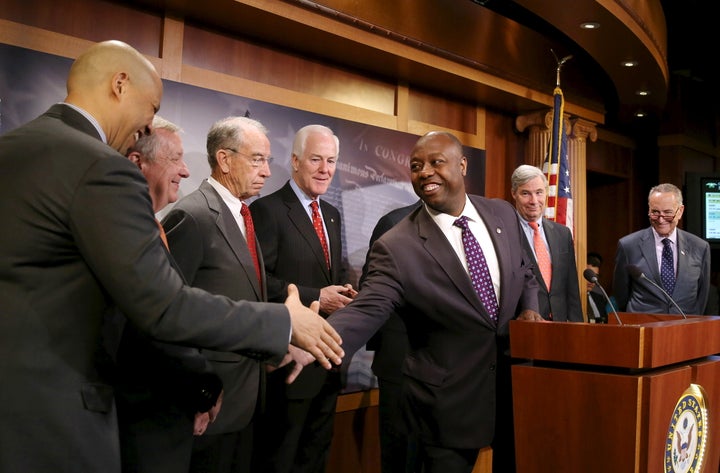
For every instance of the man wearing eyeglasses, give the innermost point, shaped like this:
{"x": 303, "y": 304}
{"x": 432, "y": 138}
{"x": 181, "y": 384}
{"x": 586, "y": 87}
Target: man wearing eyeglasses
{"x": 674, "y": 259}
{"x": 211, "y": 236}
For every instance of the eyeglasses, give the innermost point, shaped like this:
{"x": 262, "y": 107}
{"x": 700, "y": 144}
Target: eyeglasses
{"x": 255, "y": 161}
{"x": 668, "y": 215}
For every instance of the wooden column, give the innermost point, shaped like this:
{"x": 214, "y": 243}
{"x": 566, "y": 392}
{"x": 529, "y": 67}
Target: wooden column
{"x": 580, "y": 131}
{"x": 539, "y": 133}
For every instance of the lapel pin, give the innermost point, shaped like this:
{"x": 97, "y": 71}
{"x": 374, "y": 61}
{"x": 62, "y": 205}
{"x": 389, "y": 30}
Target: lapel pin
{"x": 498, "y": 230}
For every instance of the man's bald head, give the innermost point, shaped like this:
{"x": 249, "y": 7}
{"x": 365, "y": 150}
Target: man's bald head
{"x": 119, "y": 87}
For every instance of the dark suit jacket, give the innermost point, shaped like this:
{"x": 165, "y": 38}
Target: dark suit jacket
{"x": 293, "y": 254}
{"x": 390, "y": 342}
{"x": 212, "y": 253}
{"x": 450, "y": 372}
{"x": 693, "y": 274}
{"x": 563, "y": 300}
{"x": 159, "y": 388}
{"x": 79, "y": 235}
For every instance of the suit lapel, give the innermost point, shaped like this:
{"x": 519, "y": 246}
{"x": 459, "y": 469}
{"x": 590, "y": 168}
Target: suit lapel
{"x": 300, "y": 219}
{"x": 647, "y": 248}
{"x": 228, "y": 228}
{"x": 332, "y": 225}
{"x": 497, "y": 230}
{"x": 684, "y": 254}
{"x": 553, "y": 240}
{"x": 438, "y": 248}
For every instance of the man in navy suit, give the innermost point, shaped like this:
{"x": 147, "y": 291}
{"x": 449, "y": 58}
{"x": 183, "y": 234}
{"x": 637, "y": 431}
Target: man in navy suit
{"x": 296, "y": 430}
{"x": 559, "y": 298}
{"x": 688, "y": 261}
{"x": 456, "y": 386}
{"x": 80, "y": 236}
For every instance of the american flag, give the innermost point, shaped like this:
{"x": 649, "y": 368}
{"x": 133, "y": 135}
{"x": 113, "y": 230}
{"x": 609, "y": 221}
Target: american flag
{"x": 559, "y": 206}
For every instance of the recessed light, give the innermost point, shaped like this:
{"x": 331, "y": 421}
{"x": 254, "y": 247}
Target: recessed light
{"x": 590, "y": 25}
{"x": 640, "y": 114}
{"x": 629, "y": 63}
{"x": 642, "y": 93}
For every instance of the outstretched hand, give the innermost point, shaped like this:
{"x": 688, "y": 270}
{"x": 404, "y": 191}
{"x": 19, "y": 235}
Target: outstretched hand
{"x": 300, "y": 359}
{"x": 311, "y": 332}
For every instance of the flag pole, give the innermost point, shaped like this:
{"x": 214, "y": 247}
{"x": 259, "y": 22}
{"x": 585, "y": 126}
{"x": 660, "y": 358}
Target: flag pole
{"x": 560, "y": 64}
{"x": 556, "y": 148}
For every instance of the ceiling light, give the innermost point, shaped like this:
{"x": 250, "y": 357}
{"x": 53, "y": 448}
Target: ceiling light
{"x": 629, "y": 63}
{"x": 590, "y": 25}
{"x": 640, "y": 114}
{"x": 642, "y": 93}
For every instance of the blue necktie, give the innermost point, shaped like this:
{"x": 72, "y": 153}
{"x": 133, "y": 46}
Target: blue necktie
{"x": 667, "y": 268}
{"x": 479, "y": 271}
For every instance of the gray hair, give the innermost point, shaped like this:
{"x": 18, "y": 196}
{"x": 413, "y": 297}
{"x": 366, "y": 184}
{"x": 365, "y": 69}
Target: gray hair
{"x": 229, "y": 133}
{"x": 667, "y": 188}
{"x": 525, "y": 173}
{"x": 298, "y": 148}
{"x": 148, "y": 145}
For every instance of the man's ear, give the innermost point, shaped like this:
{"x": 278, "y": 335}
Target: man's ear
{"x": 222, "y": 157}
{"x": 120, "y": 83}
{"x": 135, "y": 158}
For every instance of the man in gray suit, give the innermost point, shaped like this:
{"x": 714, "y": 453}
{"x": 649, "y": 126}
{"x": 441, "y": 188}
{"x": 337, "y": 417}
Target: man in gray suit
{"x": 456, "y": 390}
{"x": 163, "y": 391}
{"x": 559, "y": 298}
{"x": 210, "y": 239}
{"x": 79, "y": 235}
{"x": 687, "y": 278}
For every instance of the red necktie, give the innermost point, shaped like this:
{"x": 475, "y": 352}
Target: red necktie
{"x": 317, "y": 223}
{"x": 542, "y": 255}
{"x": 250, "y": 237}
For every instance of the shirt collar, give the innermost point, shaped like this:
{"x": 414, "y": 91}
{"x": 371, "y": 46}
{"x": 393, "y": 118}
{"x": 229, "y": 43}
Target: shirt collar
{"x": 89, "y": 118}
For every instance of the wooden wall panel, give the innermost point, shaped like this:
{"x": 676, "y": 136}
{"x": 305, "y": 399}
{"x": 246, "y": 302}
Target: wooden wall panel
{"x": 443, "y": 111}
{"x": 207, "y": 49}
{"x": 504, "y": 151}
{"x": 92, "y": 20}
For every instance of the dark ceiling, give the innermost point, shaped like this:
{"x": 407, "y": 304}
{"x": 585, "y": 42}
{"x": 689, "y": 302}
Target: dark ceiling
{"x": 513, "y": 40}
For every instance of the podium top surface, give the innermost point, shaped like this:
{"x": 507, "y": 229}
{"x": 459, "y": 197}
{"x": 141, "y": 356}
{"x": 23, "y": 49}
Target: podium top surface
{"x": 644, "y": 341}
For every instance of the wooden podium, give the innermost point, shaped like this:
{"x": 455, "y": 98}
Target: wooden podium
{"x": 600, "y": 398}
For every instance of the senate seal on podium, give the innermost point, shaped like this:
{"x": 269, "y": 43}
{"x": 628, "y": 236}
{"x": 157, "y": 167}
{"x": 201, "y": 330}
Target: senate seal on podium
{"x": 687, "y": 435}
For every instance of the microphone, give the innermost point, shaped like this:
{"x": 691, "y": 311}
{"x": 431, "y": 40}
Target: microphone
{"x": 637, "y": 274}
{"x": 590, "y": 276}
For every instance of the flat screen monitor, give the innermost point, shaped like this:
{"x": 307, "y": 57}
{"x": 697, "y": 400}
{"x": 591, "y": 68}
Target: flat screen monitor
{"x": 702, "y": 206}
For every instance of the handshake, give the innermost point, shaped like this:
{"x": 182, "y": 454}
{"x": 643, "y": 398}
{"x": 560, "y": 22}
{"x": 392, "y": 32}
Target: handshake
{"x": 312, "y": 337}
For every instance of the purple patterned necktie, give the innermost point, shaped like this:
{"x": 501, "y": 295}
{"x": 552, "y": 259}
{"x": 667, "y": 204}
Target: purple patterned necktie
{"x": 667, "y": 268}
{"x": 479, "y": 272}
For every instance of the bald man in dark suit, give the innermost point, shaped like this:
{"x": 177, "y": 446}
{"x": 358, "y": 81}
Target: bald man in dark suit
{"x": 79, "y": 236}
{"x": 457, "y": 392}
